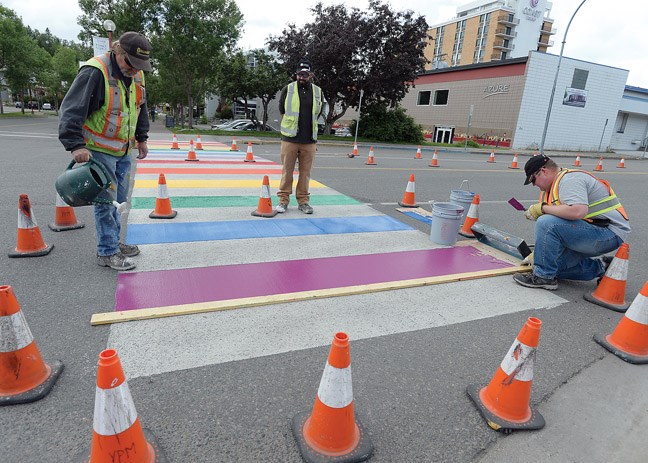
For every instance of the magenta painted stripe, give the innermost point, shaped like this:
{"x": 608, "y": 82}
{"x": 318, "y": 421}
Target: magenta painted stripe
{"x": 187, "y": 286}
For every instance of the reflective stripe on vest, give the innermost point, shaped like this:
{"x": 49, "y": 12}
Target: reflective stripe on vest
{"x": 111, "y": 128}
{"x": 290, "y": 121}
{"x": 607, "y": 204}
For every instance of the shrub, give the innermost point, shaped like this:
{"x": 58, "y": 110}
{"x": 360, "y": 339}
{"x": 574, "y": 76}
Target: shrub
{"x": 389, "y": 125}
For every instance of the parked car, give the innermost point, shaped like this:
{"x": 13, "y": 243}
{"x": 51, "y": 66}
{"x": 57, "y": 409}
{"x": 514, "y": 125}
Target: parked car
{"x": 47, "y": 106}
{"x": 342, "y": 132}
{"x": 228, "y": 124}
{"x": 18, "y": 104}
{"x": 240, "y": 125}
{"x": 32, "y": 105}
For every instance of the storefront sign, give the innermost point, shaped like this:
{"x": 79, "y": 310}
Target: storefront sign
{"x": 497, "y": 89}
{"x": 575, "y": 97}
{"x": 530, "y": 11}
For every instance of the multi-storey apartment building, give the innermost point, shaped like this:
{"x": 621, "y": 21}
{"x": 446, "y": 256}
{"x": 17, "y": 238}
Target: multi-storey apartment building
{"x": 489, "y": 30}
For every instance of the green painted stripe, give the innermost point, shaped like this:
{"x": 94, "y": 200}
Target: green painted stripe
{"x": 234, "y": 201}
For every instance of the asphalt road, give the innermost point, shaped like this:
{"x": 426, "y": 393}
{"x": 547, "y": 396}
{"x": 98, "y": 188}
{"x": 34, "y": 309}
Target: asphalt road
{"x": 409, "y": 387}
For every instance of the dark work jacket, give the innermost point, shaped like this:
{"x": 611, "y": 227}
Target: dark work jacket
{"x": 86, "y": 95}
{"x": 305, "y": 124}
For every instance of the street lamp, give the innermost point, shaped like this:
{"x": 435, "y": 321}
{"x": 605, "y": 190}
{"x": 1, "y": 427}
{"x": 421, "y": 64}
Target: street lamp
{"x": 110, "y": 27}
{"x": 553, "y": 89}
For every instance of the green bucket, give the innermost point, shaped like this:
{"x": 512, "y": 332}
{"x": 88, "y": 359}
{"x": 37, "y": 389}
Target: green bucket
{"x": 80, "y": 186}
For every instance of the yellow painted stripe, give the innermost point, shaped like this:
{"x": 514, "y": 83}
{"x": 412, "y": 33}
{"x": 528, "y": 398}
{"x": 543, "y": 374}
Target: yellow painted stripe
{"x": 216, "y": 184}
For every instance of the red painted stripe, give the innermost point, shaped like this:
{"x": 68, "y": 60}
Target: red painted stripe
{"x": 473, "y": 74}
{"x": 180, "y": 161}
{"x": 172, "y": 170}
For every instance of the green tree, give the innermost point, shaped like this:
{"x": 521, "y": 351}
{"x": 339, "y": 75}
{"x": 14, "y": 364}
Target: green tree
{"x": 139, "y": 16}
{"x": 190, "y": 40}
{"x": 378, "y": 50}
{"x": 64, "y": 70}
{"x": 234, "y": 80}
{"x": 388, "y": 124}
{"x": 268, "y": 77}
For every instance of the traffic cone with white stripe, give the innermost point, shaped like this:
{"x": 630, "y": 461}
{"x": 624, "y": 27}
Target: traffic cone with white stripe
{"x": 577, "y": 162}
{"x": 355, "y": 151}
{"x": 24, "y": 377}
{"x": 117, "y": 434}
{"x": 514, "y": 162}
{"x": 249, "y": 155}
{"x": 504, "y": 403}
{"x": 64, "y": 217}
{"x": 370, "y": 159}
{"x": 264, "y": 208}
{"x": 234, "y": 147}
{"x": 199, "y": 145}
{"x": 435, "y": 160}
{"x": 418, "y": 153}
{"x": 610, "y": 293}
{"x": 174, "y": 144}
{"x": 162, "y": 202}
{"x": 191, "y": 154}
{"x": 409, "y": 197}
{"x": 331, "y": 432}
{"x": 491, "y": 158}
{"x": 29, "y": 242}
{"x": 599, "y": 166}
{"x": 621, "y": 164}
{"x": 471, "y": 219}
{"x": 629, "y": 340}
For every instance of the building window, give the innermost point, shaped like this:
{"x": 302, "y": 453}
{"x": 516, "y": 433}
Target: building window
{"x": 482, "y": 33}
{"x": 424, "y": 98}
{"x": 579, "y": 79}
{"x": 622, "y": 123}
{"x": 458, "y": 43}
{"x": 441, "y": 97}
{"x": 504, "y": 55}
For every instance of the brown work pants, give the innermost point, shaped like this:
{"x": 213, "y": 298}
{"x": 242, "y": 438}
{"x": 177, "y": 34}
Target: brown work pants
{"x": 290, "y": 153}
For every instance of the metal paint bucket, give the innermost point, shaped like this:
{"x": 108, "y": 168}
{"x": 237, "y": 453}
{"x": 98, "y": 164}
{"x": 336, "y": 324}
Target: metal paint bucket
{"x": 446, "y": 221}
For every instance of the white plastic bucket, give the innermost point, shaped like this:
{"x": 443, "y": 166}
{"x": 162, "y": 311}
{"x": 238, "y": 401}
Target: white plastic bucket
{"x": 446, "y": 221}
{"x": 462, "y": 198}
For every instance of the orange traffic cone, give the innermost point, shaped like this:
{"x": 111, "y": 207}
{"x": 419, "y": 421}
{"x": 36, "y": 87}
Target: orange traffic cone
{"x": 355, "y": 150}
{"x": 435, "y": 160}
{"x": 198, "y": 142}
{"x": 24, "y": 377}
{"x": 191, "y": 154}
{"x": 249, "y": 156}
{"x": 30, "y": 241}
{"x": 64, "y": 217}
{"x": 264, "y": 208}
{"x": 471, "y": 219}
{"x": 234, "y": 147}
{"x": 370, "y": 159}
{"x": 174, "y": 145}
{"x": 621, "y": 164}
{"x": 117, "y": 433}
{"x": 577, "y": 162}
{"x": 629, "y": 340}
{"x": 491, "y": 158}
{"x": 162, "y": 202}
{"x": 331, "y": 432}
{"x": 504, "y": 403}
{"x": 599, "y": 166}
{"x": 418, "y": 153}
{"x": 409, "y": 197}
{"x": 514, "y": 162}
{"x": 610, "y": 293}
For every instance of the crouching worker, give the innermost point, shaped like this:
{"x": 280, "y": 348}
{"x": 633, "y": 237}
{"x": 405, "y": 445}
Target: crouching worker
{"x": 577, "y": 219}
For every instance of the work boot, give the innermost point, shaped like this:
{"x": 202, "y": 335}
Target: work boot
{"x": 129, "y": 250}
{"x": 531, "y": 280}
{"x": 305, "y": 208}
{"x": 281, "y": 207}
{"x": 117, "y": 261}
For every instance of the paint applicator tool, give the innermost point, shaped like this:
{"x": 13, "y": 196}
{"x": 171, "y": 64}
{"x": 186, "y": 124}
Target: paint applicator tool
{"x": 517, "y": 204}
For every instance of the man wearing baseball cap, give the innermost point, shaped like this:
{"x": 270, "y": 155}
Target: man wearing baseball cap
{"x": 577, "y": 219}
{"x": 104, "y": 116}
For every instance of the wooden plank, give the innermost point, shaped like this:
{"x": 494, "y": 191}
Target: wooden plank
{"x": 203, "y": 307}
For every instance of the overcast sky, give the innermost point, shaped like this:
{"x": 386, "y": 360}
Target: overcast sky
{"x": 602, "y": 32}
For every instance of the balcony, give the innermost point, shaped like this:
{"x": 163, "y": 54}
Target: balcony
{"x": 505, "y": 20}
{"x": 549, "y": 43}
{"x": 548, "y": 32}
{"x": 501, "y": 46}
{"x": 503, "y": 34}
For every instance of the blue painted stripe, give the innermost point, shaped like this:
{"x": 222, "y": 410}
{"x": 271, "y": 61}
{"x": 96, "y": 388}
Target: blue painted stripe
{"x": 241, "y": 229}
{"x": 418, "y": 217}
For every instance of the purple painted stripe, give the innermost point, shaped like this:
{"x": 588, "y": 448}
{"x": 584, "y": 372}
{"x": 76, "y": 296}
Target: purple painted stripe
{"x": 193, "y": 285}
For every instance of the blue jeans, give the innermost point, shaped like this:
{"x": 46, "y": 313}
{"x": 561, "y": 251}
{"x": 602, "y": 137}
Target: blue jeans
{"x": 107, "y": 219}
{"x": 564, "y": 248}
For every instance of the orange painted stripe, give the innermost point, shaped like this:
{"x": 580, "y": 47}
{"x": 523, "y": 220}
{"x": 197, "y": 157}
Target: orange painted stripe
{"x": 173, "y": 170}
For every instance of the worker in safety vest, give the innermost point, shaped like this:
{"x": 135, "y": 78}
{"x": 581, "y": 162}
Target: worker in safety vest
{"x": 103, "y": 115}
{"x": 301, "y": 104}
{"x": 577, "y": 218}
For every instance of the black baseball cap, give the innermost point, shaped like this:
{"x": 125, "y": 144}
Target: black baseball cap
{"x": 138, "y": 48}
{"x": 533, "y": 165}
{"x": 303, "y": 66}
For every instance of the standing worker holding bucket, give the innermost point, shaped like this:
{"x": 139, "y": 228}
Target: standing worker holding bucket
{"x": 102, "y": 116}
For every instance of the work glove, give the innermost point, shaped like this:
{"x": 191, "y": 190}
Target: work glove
{"x": 528, "y": 260}
{"x": 534, "y": 211}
